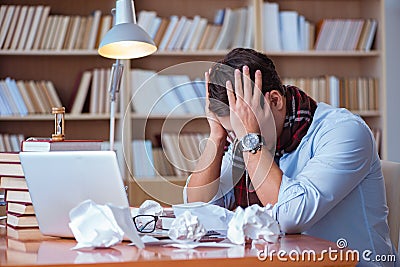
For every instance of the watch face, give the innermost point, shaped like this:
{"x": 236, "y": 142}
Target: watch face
{"x": 251, "y": 141}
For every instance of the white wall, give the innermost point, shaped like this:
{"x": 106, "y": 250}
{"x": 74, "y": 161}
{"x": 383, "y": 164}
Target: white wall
{"x": 392, "y": 10}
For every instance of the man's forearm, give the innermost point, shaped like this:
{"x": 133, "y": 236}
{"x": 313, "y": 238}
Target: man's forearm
{"x": 204, "y": 181}
{"x": 265, "y": 175}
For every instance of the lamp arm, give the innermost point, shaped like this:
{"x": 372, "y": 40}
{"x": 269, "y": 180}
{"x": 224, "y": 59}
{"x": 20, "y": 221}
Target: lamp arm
{"x": 114, "y": 85}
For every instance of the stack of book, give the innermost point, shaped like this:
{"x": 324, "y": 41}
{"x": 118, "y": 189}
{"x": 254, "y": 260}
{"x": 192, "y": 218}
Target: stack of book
{"x": 21, "y": 219}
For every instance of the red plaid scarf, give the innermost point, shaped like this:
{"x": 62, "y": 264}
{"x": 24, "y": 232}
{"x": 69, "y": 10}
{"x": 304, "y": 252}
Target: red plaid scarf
{"x": 300, "y": 110}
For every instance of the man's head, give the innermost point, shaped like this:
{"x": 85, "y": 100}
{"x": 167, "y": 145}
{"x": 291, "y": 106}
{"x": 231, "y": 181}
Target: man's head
{"x": 223, "y": 70}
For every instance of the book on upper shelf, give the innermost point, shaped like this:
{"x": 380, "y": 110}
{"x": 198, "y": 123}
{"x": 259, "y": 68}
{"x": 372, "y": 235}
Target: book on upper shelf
{"x": 11, "y": 28}
{"x": 6, "y": 16}
{"x": 143, "y": 161}
{"x": 18, "y": 220}
{"x": 81, "y": 92}
{"x": 66, "y": 145}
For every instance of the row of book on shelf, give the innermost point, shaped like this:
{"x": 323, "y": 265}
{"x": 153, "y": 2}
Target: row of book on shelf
{"x": 230, "y": 28}
{"x": 25, "y": 27}
{"x": 346, "y": 34}
{"x": 356, "y": 94}
{"x": 176, "y": 155}
{"x": 151, "y": 93}
{"x": 161, "y": 94}
{"x": 288, "y": 30}
{"x": 27, "y": 97}
{"x": 10, "y": 142}
{"x": 284, "y": 30}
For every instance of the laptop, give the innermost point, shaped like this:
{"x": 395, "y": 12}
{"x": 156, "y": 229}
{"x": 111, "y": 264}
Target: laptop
{"x": 58, "y": 181}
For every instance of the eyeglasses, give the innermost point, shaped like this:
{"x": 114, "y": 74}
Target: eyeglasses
{"x": 145, "y": 223}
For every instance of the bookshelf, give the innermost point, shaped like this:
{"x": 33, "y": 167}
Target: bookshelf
{"x": 63, "y": 66}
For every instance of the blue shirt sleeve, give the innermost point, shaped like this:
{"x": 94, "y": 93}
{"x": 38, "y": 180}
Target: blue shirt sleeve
{"x": 341, "y": 159}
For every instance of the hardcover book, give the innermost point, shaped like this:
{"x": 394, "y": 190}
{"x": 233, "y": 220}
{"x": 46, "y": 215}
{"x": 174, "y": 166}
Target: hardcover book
{"x": 18, "y": 220}
{"x": 19, "y": 195}
{"x": 20, "y": 208}
{"x": 9, "y": 182}
{"x": 67, "y": 145}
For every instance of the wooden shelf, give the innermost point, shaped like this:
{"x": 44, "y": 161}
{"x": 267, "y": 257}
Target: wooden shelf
{"x": 48, "y": 52}
{"x": 49, "y": 117}
{"x": 205, "y": 53}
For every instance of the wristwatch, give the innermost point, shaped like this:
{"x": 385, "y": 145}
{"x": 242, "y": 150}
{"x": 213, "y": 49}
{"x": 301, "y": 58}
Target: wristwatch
{"x": 252, "y": 142}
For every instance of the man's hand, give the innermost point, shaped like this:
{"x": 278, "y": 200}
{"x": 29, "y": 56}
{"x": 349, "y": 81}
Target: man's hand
{"x": 246, "y": 113}
{"x": 216, "y": 129}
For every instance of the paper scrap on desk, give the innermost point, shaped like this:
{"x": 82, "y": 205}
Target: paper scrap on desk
{"x": 186, "y": 228}
{"x": 150, "y": 207}
{"x": 255, "y": 223}
{"x": 204, "y": 211}
{"x": 100, "y": 226}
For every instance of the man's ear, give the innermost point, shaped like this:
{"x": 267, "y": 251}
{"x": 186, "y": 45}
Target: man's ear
{"x": 277, "y": 100}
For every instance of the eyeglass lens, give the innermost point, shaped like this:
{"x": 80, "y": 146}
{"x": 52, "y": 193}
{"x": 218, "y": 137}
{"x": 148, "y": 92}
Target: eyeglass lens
{"x": 145, "y": 223}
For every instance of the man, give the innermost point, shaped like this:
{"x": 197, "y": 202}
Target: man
{"x": 316, "y": 165}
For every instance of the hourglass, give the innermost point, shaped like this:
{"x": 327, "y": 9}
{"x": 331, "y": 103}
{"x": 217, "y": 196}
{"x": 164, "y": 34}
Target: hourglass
{"x": 58, "y": 134}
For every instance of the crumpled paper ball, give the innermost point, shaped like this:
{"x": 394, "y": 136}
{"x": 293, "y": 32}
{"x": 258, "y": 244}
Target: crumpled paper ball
{"x": 186, "y": 228}
{"x": 99, "y": 226}
{"x": 150, "y": 207}
{"x": 254, "y": 223}
{"x": 94, "y": 226}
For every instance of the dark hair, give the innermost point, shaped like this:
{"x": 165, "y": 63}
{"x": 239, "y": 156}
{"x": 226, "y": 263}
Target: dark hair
{"x": 223, "y": 70}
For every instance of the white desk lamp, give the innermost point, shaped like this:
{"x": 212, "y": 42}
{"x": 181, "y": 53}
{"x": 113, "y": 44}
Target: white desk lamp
{"x": 125, "y": 40}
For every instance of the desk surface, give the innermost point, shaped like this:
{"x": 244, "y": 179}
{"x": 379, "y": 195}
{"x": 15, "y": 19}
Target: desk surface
{"x": 57, "y": 252}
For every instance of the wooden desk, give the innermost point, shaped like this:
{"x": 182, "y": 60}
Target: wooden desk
{"x": 57, "y": 252}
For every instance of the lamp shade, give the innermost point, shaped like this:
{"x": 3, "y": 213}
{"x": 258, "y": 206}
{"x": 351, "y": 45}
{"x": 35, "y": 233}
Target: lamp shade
{"x": 126, "y": 39}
